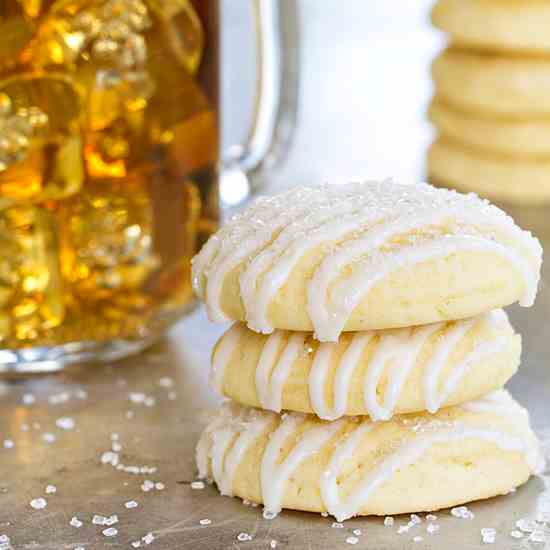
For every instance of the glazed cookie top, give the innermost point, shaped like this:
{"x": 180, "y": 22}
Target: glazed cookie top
{"x": 361, "y": 233}
{"x": 293, "y": 439}
{"x": 378, "y": 373}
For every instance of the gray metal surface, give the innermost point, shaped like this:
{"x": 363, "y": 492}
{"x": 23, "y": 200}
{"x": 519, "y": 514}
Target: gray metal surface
{"x": 161, "y": 432}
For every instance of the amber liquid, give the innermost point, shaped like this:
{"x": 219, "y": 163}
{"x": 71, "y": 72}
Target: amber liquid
{"x": 108, "y": 150}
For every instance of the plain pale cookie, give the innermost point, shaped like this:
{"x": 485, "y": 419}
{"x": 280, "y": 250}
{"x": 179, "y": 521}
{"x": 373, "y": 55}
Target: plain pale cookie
{"x": 484, "y": 83}
{"x": 517, "y": 137}
{"x": 352, "y": 466}
{"x": 377, "y": 373}
{"x": 497, "y": 177}
{"x": 365, "y": 256}
{"x": 495, "y": 25}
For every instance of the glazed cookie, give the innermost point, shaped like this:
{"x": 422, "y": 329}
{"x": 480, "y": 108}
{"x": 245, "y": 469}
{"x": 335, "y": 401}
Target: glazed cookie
{"x": 510, "y": 86}
{"x": 508, "y": 136}
{"x": 511, "y": 25}
{"x": 497, "y": 177}
{"x": 376, "y": 373}
{"x": 364, "y": 256}
{"x": 352, "y": 466}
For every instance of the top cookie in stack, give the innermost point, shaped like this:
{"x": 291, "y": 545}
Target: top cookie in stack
{"x": 365, "y": 256}
{"x": 492, "y": 99}
{"x": 400, "y": 284}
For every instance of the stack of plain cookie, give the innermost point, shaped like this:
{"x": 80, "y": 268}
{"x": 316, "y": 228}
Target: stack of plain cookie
{"x": 366, "y": 364}
{"x": 492, "y": 99}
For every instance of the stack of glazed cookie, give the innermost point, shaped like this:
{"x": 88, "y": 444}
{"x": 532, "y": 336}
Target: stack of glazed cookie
{"x": 370, "y": 314}
{"x": 492, "y": 99}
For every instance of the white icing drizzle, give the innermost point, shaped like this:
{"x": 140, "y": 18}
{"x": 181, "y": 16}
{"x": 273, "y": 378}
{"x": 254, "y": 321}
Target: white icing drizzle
{"x": 247, "y": 236}
{"x": 274, "y": 476}
{"x": 330, "y": 313}
{"x": 270, "y": 379}
{"x": 271, "y": 237}
{"x": 268, "y": 357}
{"x": 319, "y": 372}
{"x": 395, "y": 354}
{"x": 499, "y": 403}
{"x": 400, "y": 349}
{"x": 235, "y": 456}
{"x": 227, "y": 439}
{"x": 202, "y": 453}
{"x": 223, "y": 355}
{"x": 437, "y": 362}
{"x": 277, "y": 260}
{"x": 435, "y": 400}
{"x": 225, "y": 443}
{"x": 408, "y": 454}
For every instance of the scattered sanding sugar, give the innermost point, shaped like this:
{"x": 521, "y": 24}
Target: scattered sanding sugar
{"x": 462, "y": 512}
{"x": 537, "y": 536}
{"x": 98, "y": 520}
{"x": 28, "y": 399}
{"x": 205, "y": 521}
{"x": 488, "y": 535}
{"x": 388, "y": 521}
{"x": 197, "y": 485}
{"x": 243, "y": 537}
{"x": 337, "y": 525}
{"x": 269, "y": 515}
{"x": 110, "y": 532}
{"x": 131, "y": 504}
{"x": 38, "y": 503}
{"x": 147, "y": 485}
{"x": 109, "y": 457}
{"x": 166, "y": 382}
{"x": 111, "y": 520}
{"x": 352, "y": 540}
{"x": 148, "y": 538}
{"x": 65, "y": 423}
{"x": 50, "y": 489}
{"x": 526, "y": 525}
{"x": 273, "y": 543}
{"x": 75, "y": 522}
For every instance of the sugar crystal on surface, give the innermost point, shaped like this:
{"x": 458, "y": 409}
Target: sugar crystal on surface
{"x": 38, "y": 503}
{"x": 65, "y": 423}
{"x": 75, "y": 522}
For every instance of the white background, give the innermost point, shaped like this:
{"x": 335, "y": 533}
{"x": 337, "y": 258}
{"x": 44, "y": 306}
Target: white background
{"x": 364, "y": 88}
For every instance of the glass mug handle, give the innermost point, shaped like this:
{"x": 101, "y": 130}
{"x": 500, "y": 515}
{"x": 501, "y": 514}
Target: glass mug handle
{"x": 274, "y": 117}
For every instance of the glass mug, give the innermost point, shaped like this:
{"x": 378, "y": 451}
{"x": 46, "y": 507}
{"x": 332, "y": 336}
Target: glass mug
{"x": 108, "y": 169}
